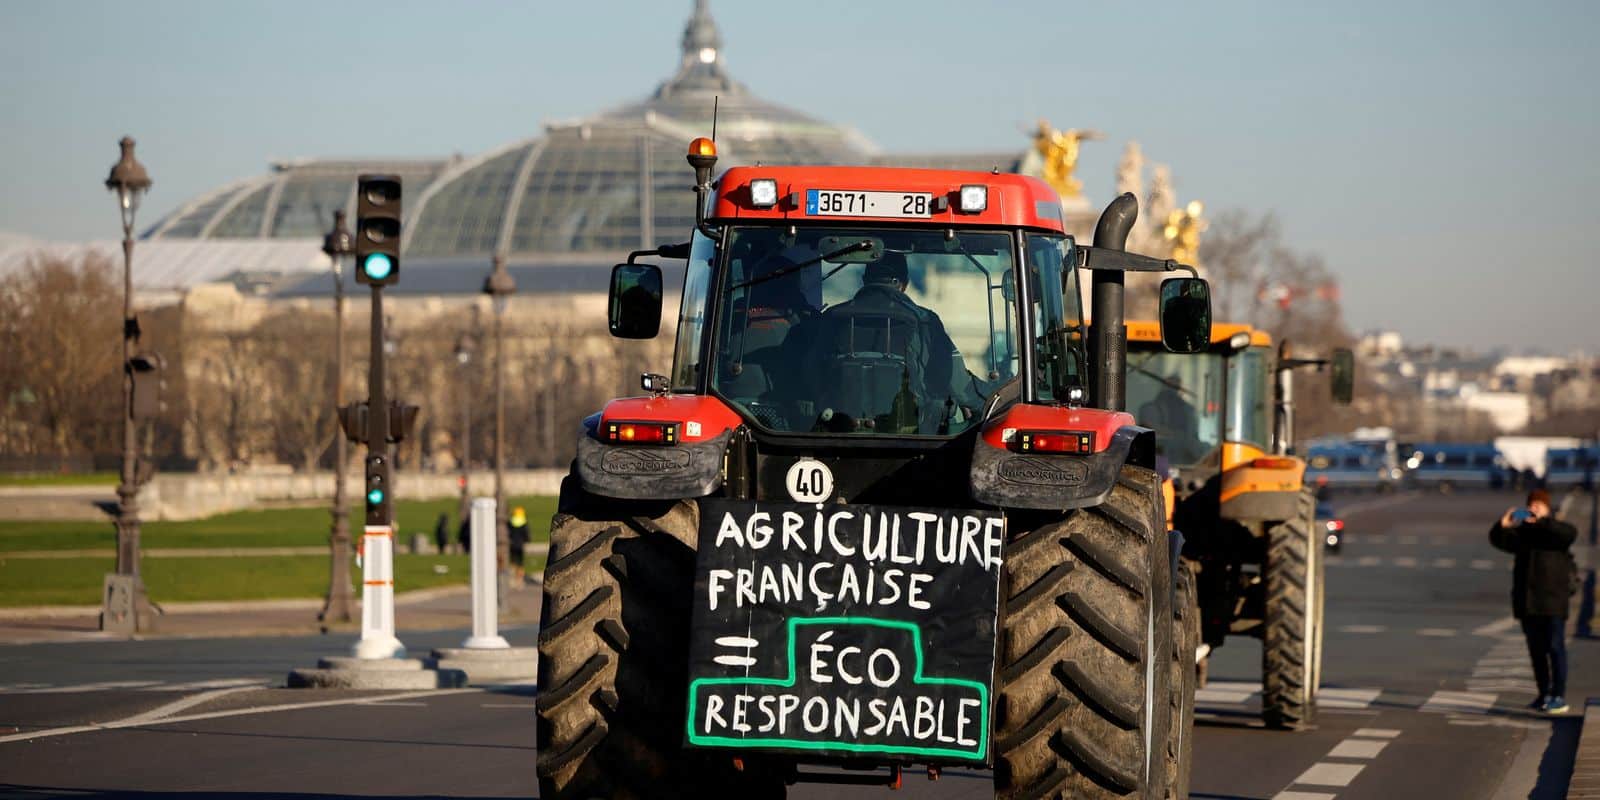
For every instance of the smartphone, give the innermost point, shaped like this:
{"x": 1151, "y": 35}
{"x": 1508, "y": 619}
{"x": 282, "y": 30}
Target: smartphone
{"x": 1520, "y": 515}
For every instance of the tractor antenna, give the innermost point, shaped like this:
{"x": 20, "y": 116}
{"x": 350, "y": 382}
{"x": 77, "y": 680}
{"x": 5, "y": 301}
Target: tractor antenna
{"x": 714, "y": 100}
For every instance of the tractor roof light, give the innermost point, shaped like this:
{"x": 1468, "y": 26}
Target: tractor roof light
{"x": 974, "y": 198}
{"x": 1239, "y": 341}
{"x": 763, "y": 192}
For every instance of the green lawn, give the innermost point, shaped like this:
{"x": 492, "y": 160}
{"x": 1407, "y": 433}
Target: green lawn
{"x": 60, "y": 479}
{"x": 77, "y": 581}
{"x": 284, "y": 527}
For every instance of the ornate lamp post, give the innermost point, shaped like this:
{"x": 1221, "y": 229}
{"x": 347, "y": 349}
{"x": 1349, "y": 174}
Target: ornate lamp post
{"x": 130, "y": 181}
{"x": 500, "y": 286}
{"x": 340, "y": 602}
{"x": 464, "y": 348}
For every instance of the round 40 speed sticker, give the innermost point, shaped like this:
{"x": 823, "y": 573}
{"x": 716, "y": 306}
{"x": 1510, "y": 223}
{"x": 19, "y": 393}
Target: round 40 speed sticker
{"x": 809, "y": 481}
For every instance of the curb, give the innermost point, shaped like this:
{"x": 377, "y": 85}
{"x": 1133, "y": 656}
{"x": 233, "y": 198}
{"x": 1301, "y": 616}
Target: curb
{"x": 1585, "y": 782}
{"x": 229, "y": 606}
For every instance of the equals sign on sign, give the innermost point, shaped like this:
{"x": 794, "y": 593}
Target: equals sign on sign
{"x": 740, "y": 643}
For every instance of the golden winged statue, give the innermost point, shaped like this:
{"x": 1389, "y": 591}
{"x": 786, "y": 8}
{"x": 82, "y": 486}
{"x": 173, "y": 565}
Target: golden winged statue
{"x": 1059, "y": 150}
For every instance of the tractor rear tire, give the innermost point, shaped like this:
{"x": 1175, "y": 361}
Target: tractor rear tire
{"x": 1291, "y": 652}
{"x": 613, "y": 656}
{"x": 1082, "y": 707}
{"x": 1185, "y": 678}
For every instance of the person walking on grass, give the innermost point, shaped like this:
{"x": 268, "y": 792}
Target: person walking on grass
{"x": 1541, "y": 583}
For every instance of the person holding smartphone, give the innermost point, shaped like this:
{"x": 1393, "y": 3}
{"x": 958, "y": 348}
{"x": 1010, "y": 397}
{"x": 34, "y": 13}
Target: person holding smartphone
{"x": 1541, "y": 583}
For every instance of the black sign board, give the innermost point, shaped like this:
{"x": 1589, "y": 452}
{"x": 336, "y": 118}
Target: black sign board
{"x": 845, "y": 630}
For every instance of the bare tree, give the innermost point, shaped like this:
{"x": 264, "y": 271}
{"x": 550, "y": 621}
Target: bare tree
{"x": 297, "y": 363}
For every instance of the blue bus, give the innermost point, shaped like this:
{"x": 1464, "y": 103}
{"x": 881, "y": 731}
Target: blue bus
{"x": 1572, "y": 466}
{"x": 1449, "y": 465}
{"x": 1350, "y": 466}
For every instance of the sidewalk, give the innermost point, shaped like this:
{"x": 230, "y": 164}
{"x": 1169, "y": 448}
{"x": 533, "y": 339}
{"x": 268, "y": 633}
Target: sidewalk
{"x": 427, "y": 609}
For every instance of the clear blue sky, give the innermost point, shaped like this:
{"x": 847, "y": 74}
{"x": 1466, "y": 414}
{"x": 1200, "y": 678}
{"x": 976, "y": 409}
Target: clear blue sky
{"x": 1440, "y": 156}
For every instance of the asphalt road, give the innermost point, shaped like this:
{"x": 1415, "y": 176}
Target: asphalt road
{"x": 1425, "y": 679}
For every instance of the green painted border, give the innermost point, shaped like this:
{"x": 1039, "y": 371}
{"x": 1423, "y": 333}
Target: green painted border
{"x": 852, "y": 747}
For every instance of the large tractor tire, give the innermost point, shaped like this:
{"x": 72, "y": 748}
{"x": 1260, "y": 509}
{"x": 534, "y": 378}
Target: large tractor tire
{"x": 1086, "y": 636}
{"x": 613, "y": 656}
{"x": 1291, "y": 653}
{"x": 1185, "y": 679}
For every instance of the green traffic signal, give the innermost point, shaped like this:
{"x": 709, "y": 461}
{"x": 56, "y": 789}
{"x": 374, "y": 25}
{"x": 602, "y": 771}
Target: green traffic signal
{"x": 377, "y": 266}
{"x": 374, "y": 497}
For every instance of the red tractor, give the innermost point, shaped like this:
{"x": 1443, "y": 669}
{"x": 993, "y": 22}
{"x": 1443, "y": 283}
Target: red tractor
{"x": 885, "y": 512}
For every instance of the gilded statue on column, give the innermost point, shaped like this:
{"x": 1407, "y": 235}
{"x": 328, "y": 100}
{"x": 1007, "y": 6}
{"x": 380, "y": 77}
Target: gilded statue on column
{"x": 1059, "y": 152}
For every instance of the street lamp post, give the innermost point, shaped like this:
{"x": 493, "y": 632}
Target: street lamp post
{"x": 130, "y": 181}
{"x": 500, "y": 286}
{"x": 340, "y": 603}
{"x": 464, "y": 348}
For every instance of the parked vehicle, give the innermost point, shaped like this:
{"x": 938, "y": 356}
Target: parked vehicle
{"x": 1347, "y": 466}
{"x": 1572, "y": 466}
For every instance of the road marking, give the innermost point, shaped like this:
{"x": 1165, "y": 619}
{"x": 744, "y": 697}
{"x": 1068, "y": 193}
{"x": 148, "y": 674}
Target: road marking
{"x": 1288, "y": 795}
{"x": 1227, "y": 692}
{"x": 1438, "y": 633}
{"x": 1445, "y": 702}
{"x": 1347, "y": 698}
{"x": 1323, "y": 773}
{"x": 132, "y": 722}
{"x": 1495, "y": 628}
{"x": 219, "y": 683}
{"x": 16, "y": 687}
{"x": 1369, "y": 561}
{"x": 382, "y": 704}
{"x": 91, "y": 687}
{"x": 1405, "y": 561}
{"x": 181, "y": 704}
{"x": 1376, "y": 733}
{"x": 507, "y": 705}
{"x": 1363, "y": 629}
{"x": 1357, "y": 748}
{"x": 1408, "y": 539}
{"x": 1481, "y": 563}
{"x": 1444, "y": 563}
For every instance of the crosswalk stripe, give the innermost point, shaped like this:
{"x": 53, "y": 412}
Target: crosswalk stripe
{"x": 219, "y": 683}
{"x": 1444, "y": 701}
{"x": 1347, "y": 698}
{"x": 90, "y": 687}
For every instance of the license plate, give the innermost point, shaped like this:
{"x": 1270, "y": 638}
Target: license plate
{"x": 840, "y": 203}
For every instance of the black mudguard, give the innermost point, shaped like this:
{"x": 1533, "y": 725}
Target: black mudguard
{"x": 1057, "y": 482}
{"x": 646, "y": 472}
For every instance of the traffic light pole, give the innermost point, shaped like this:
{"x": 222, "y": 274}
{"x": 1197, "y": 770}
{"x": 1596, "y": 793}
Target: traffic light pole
{"x": 377, "y": 541}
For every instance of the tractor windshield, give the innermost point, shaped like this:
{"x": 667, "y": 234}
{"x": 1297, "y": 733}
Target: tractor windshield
{"x": 1179, "y": 396}
{"x": 864, "y": 330}
{"x": 1250, "y": 398}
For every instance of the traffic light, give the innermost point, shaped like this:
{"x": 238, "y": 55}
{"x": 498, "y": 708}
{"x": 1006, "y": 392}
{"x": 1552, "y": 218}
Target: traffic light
{"x": 377, "y": 490}
{"x": 378, "y": 229}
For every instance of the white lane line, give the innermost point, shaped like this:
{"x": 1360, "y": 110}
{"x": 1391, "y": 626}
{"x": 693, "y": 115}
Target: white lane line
{"x": 1357, "y": 748}
{"x": 1444, "y": 563}
{"x": 1437, "y": 540}
{"x": 236, "y": 712}
{"x": 1408, "y": 539}
{"x": 1481, "y": 563}
{"x": 1362, "y": 629}
{"x": 91, "y": 687}
{"x": 1446, "y": 702}
{"x": 1347, "y": 698}
{"x": 1288, "y": 795}
{"x": 1369, "y": 561}
{"x": 507, "y": 705}
{"x": 1376, "y": 733}
{"x": 382, "y": 704}
{"x": 181, "y": 704}
{"x": 1325, "y": 774}
{"x": 18, "y": 687}
{"x": 1406, "y": 561}
{"x": 219, "y": 683}
{"x": 1437, "y": 633}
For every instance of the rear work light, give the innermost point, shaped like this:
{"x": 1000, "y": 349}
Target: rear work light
{"x": 642, "y": 432}
{"x": 974, "y": 198}
{"x": 763, "y": 193}
{"x": 1273, "y": 463}
{"x": 1075, "y": 442}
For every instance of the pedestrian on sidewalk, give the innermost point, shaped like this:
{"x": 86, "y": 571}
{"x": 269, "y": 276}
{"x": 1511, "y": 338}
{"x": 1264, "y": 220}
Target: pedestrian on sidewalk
{"x": 518, "y": 531}
{"x": 441, "y": 533}
{"x": 1542, "y": 581}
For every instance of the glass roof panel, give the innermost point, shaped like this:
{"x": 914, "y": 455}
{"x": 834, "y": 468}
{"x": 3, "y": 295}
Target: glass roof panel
{"x": 464, "y": 216}
{"x": 244, "y": 219}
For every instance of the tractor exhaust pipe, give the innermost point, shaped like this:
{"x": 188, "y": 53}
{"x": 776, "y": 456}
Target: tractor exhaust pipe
{"x": 1108, "y": 332}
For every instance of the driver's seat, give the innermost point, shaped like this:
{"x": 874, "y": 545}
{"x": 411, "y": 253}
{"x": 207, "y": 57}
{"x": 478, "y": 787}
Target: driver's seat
{"x": 868, "y": 358}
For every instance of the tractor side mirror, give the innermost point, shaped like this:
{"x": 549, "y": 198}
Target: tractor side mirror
{"x": 1342, "y": 375}
{"x": 1185, "y": 315}
{"x": 635, "y": 303}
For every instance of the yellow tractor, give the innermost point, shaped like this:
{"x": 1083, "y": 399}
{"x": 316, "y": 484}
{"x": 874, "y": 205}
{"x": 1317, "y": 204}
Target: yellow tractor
{"x": 1224, "y": 422}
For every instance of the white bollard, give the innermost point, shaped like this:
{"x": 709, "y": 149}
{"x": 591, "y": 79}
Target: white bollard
{"x": 377, "y": 596}
{"x": 485, "y": 577}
